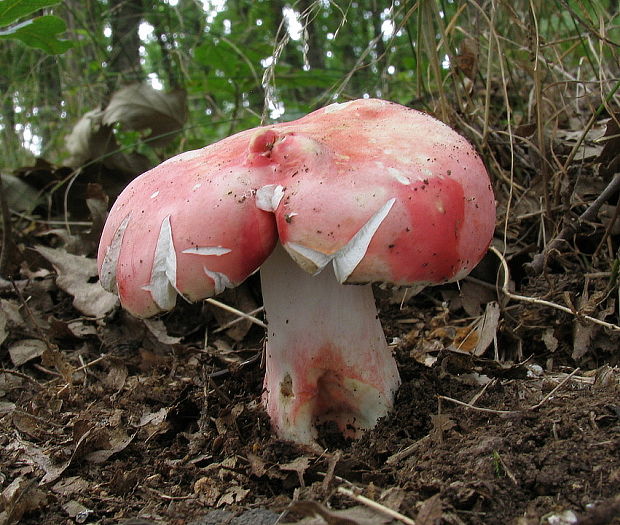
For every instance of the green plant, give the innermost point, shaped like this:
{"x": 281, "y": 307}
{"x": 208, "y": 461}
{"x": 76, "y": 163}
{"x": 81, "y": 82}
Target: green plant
{"x": 39, "y": 32}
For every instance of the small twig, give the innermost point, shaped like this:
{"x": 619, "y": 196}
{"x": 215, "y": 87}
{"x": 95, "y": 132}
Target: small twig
{"x": 507, "y": 471}
{"x": 225, "y": 371}
{"x": 46, "y": 370}
{"x": 544, "y": 399}
{"x": 397, "y": 457}
{"x": 91, "y": 363}
{"x": 235, "y": 311}
{"x": 543, "y": 302}
{"x": 169, "y": 498}
{"x": 473, "y": 407}
{"x": 20, "y": 374}
{"x": 376, "y": 506}
{"x": 237, "y": 320}
{"x": 538, "y": 262}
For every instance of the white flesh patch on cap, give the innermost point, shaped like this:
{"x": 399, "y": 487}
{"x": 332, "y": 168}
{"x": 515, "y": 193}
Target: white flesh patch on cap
{"x": 349, "y": 256}
{"x": 108, "y": 265}
{"x": 208, "y": 250}
{"x": 220, "y": 281}
{"x": 154, "y": 194}
{"x": 268, "y": 197}
{"x": 399, "y": 176}
{"x": 182, "y": 157}
{"x": 312, "y": 261}
{"x": 336, "y": 107}
{"x": 164, "y": 273}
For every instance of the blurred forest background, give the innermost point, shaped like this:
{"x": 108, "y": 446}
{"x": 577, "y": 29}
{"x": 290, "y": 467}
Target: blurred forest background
{"x": 510, "y": 75}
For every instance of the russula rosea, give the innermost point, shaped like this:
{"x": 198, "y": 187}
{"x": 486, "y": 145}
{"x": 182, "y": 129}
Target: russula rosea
{"x": 352, "y": 193}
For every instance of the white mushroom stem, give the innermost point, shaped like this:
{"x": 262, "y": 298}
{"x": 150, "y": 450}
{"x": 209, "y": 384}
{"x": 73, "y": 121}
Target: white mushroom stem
{"x": 327, "y": 358}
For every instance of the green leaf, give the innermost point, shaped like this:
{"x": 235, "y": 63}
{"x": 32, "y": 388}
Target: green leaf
{"x": 40, "y": 33}
{"x": 12, "y": 10}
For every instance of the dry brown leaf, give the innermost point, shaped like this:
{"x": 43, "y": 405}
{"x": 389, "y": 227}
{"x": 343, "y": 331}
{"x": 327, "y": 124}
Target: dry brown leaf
{"x": 117, "y": 441}
{"x": 25, "y": 350}
{"x": 140, "y": 107}
{"x": 487, "y": 328}
{"x": 90, "y": 140}
{"x": 18, "y": 498}
{"x": 77, "y": 511}
{"x": 71, "y": 485}
{"x": 234, "y": 494}
{"x": 298, "y": 465}
{"x": 74, "y": 274}
{"x": 159, "y": 330}
{"x": 117, "y": 375}
{"x": 441, "y": 424}
{"x": 20, "y": 196}
{"x": 208, "y": 490}
{"x": 610, "y": 156}
{"x": 430, "y": 512}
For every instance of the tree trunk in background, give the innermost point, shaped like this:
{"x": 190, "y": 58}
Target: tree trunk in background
{"x": 125, "y": 18}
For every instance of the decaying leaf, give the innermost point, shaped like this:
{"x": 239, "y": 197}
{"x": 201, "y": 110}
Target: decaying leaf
{"x": 21, "y": 496}
{"x": 487, "y": 328}
{"x": 609, "y": 157}
{"x": 431, "y": 511}
{"x": 441, "y": 424}
{"x": 90, "y": 139}
{"x": 158, "y": 329}
{"x": 20, "y": 195}
{"x": 234, "y": 494}
{"x": 74, "y": 275}
{"x": 25, "y": 350}
{"x": 140, "y": 107}
{"x": 10, "y": 317}
{"x": 298, "y": 465}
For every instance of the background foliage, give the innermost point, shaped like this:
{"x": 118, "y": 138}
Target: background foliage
{"x": 483, "y": 66}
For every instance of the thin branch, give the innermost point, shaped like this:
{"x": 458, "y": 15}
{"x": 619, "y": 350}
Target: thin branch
{"x": 376, "y": 506}
{"x": 22, "y": 375}
{"x": 544, "y": 399}
{"x": 235, "y": 311}
{"x": 538, "y": 262}
{"x": 542, "y": 302}
{"x": 473, "y": 407}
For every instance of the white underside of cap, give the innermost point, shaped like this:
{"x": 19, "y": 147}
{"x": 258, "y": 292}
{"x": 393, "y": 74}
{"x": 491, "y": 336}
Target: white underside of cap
{"x": 164, "y": 273}
{"x": 349, "y": 256}
{"x": 110, "y": 260}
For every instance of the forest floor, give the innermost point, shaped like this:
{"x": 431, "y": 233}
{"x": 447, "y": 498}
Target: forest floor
{"x": 508, "y": 412}
{"x": 144, "y": 428}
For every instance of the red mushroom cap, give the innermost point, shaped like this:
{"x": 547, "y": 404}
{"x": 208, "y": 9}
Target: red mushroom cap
{"x": 383, "y": 192}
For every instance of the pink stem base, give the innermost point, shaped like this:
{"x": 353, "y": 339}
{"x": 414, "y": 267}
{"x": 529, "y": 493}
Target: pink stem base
{"x": 327, "y": 358}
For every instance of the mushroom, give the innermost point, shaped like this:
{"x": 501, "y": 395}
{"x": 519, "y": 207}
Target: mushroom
{"x": 354, "y": 193}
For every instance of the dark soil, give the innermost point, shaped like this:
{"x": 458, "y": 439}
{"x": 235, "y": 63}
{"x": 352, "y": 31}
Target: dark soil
{"x": 149, "y": 432}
